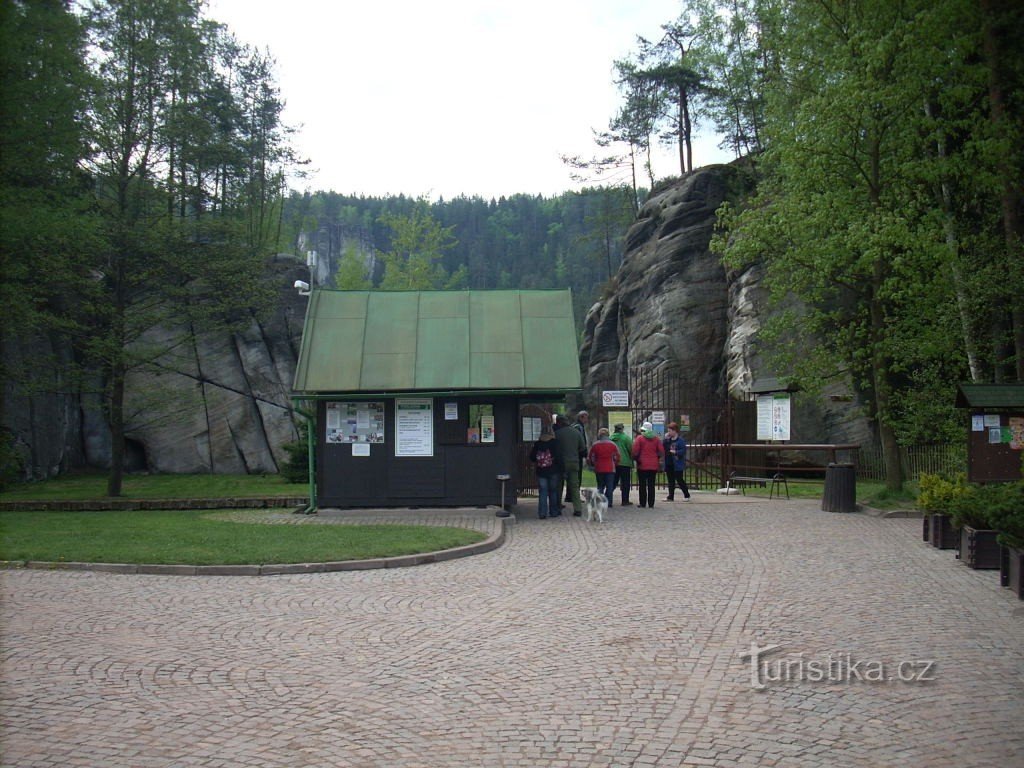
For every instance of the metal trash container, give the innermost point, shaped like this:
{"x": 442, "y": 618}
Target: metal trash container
{"x": 840, "y": 488}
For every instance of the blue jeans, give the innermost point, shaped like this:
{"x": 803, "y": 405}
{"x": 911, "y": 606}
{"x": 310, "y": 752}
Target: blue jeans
{"x": 606, "y": 484}
{"x": 549, "y": 497}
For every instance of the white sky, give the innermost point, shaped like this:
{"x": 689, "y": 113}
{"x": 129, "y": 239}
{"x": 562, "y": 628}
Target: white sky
{"x": 449, "y": 97}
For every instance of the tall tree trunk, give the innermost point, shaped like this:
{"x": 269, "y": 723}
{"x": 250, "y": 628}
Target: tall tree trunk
{"x": 1003, "y": 26}
{"x": 880, "y": 385}
{"x": 116, "y": 419}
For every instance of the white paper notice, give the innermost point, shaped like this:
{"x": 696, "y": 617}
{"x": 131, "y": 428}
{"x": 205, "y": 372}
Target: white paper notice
{"x": 333, "y": 416}
{"x": 360, "y": 449}
{"x": 977, "y": 423}
{"x": 451, "y": 411}
{"x": 414, "y": 428}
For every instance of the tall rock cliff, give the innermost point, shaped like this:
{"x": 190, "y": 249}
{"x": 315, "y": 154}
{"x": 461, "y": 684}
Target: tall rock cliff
{"x": 673, "y": 307}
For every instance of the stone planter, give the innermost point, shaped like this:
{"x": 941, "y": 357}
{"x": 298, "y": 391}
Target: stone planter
{"x": 979, "y": 548}
{"x": 1011, "y": 570}
{"x": 942, "y": 534}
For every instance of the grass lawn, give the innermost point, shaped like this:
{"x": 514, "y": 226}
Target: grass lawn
{"x": 196, "y": 538}
{"x": 93, "y": 485}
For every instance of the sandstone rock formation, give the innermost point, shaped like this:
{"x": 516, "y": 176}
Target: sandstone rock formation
{"x": 674, "y": 308}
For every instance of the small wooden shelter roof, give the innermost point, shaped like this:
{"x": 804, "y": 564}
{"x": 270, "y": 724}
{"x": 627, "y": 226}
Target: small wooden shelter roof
{"x": 990, "y": 396}
{"x": 438, "y": 342}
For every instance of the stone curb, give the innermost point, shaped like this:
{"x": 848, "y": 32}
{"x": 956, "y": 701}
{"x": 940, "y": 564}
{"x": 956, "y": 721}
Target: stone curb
{"x": 489, "y": 544}
{"x": 889, "y": 513}
{"x": 105, "y": 505}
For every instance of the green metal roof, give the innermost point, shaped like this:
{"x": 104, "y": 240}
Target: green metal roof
{"x": 990, "y": 396}
{"x": 413, "y": 341}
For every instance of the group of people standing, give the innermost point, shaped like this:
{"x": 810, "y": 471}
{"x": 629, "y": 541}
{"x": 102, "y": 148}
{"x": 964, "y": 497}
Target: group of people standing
{"x": 559, "y": 455}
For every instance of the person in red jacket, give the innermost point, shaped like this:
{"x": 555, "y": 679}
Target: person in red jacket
{"x": 604, "y": 458}
{"x": 648, "y": 453}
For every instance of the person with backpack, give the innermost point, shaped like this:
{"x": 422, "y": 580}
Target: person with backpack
{"x": 549, "y": 468}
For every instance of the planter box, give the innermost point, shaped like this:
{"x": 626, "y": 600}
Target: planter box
{"x": 979, "y": 548}
{"x": 1011, "y": 570}
{"x": 941, "y": 531}
{"x": 925, "y": 533}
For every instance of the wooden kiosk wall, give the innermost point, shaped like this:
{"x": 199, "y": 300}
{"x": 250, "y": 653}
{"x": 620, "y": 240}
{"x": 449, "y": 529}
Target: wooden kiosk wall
{"x": 458, "y": 474}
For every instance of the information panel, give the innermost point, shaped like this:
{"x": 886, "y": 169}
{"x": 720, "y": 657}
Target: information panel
{"x": 773, "y": 415}
{"x": 358, "y": 422}
{"x": 414, "y": 428}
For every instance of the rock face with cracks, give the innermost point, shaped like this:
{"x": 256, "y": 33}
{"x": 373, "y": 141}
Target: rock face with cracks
{"x": 214, "y": 402}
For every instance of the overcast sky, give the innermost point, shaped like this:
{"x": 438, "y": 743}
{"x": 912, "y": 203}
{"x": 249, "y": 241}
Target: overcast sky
{"x": 441, "y": 98}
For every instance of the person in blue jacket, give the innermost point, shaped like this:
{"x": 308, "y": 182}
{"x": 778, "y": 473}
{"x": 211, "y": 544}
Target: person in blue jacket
{"x": 675, "y": 461}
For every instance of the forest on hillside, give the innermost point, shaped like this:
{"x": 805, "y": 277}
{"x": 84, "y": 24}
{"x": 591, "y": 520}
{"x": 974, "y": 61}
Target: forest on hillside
{"x": 524, "y": 241}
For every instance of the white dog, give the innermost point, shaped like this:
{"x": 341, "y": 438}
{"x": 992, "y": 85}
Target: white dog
{"x": 596, "y": 504}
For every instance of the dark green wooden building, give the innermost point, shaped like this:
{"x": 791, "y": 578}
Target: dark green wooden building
{"x": 424, "y": 398}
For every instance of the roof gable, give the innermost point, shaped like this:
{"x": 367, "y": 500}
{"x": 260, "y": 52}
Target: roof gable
{"x": 408, "y": 341}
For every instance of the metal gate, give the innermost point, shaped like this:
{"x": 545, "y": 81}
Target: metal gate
{"x": 664, "y": 395}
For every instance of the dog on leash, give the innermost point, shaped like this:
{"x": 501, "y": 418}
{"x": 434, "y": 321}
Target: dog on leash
{"x": 596, "y": 504}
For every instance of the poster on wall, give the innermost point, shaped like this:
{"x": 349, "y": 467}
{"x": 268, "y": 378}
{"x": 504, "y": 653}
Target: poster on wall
{"x": 487, "y": 428}
{"x": 414, "y": 428}
{"x": 358, "y": 422}
{"x": 1016, "y": 433}
{"x": 773, "y": 416}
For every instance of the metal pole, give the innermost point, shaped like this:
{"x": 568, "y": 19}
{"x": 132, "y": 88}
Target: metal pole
{"x": 310, "y": 451}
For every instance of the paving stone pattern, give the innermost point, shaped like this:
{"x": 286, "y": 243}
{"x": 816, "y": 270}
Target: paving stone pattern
{"x": 573, "y": 644}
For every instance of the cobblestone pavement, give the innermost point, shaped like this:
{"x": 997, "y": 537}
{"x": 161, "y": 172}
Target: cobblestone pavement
{"x": 574, "y": 644}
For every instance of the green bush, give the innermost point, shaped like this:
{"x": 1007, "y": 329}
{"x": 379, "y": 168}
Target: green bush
{"x": 1006, "y": 513}
{"x": 296, "y": 468}
{"x": 10, "y": 461}
{"x": 972, "y": 507}
{"x": 937, "y": 493}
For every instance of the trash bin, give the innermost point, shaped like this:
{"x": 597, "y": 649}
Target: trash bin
{"x": 840, "y": 488}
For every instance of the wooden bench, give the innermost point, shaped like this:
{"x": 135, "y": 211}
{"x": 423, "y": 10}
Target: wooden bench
{"x": 778, "y": 482}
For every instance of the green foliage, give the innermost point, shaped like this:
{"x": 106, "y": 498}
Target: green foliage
{"x": 1005, "y": 512}
{"x": 296, "y": 468}
{"x": 938, "y": 494}
{"x": 10, "y": 460}
{"x": 187, "y": 184}
{"x": 418, "y": 244}
{"x": 972, "y": 507}
{"x": 352, "y": 274}
{"x": 876, "y": 219}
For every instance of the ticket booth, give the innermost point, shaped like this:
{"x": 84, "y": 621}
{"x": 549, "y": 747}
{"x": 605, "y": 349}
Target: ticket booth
{"x": 418, "y": 394}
